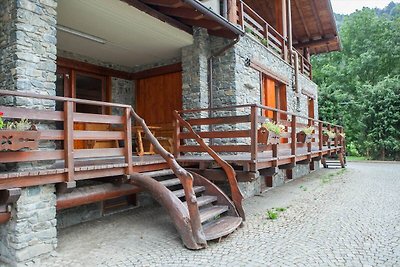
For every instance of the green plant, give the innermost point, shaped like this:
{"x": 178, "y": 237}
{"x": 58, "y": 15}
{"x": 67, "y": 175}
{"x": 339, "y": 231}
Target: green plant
{"x": 308, "y": 130}
{"x": 272, "y": 215}
{"x": 1, "y": 120}
{"x": 273, "y": 127}
{"x": 330, "y": 134}
{"x": 22, "y": 125}
{"x": 248, "y": 30}
{"x": 281, "y": 209}
{"x": 264, "y": 41}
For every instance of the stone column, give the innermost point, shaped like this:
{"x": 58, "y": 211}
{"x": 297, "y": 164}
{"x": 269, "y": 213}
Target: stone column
{"x": 194, "y": 71}
{"x": 28, "y": 64}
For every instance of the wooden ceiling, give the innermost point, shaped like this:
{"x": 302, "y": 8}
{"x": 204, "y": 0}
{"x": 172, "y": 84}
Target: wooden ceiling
{"x": 313, "y": 23}
{"x": 187, "y": 13}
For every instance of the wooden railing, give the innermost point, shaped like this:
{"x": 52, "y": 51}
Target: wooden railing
{"x": 237, "y": 196}
{"x": 251, "y": 22}
{"x": 235, "y": 130}
{"x": 68, "y": 154}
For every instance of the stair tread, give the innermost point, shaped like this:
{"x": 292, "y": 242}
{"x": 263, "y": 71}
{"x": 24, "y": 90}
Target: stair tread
{"x": 211, "y": 212}
{"x": 221, "y": 227}
{"x": 159, "y": 173}
{"x": 170, "y": 182}
{"x": 181, "y": 192}
{"x": 204, "y": 200}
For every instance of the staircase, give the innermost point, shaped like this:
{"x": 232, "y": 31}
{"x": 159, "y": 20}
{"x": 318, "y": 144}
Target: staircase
{"x": 335, "y": 161}
{"x": 218, "y": 215}
{"x": 199, "y": 210}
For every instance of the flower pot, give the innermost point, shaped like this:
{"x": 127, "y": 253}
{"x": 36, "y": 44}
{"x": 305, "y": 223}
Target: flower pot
{"x": 325, "y": 138}
{"x": 12, "y": 140}
{"x": 304, "y": 138}
{"x": 267, "y": 137}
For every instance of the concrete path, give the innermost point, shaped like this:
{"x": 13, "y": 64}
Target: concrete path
{"x": 330, "y": 218}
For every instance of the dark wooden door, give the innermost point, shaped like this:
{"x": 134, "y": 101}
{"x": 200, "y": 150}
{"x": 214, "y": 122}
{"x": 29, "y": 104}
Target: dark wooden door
{"x": 157, "y": 97}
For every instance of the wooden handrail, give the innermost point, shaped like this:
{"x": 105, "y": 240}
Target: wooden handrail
{"x": 237, "y": 196}
{"x": 185, "y": 178}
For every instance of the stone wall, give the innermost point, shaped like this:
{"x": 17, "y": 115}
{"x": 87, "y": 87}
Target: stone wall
{"x": 32, "y": 230}
{"x": 28, "y": 64}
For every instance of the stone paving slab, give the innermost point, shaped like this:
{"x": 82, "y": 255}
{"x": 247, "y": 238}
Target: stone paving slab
{"x": 333, "y": 218}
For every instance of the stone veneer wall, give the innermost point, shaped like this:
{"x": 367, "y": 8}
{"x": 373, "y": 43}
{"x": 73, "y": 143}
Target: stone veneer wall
{"x": 28, "y": 64}
{"x": 234, "y": 83}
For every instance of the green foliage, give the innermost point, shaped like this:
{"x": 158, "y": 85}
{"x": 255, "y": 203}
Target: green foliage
{"x": 1, "y": 123}
{"x": 272, "y": 214}
{"x": 273, "y": 127}
{"x": 308, "y": 130}
{"x": 359, "y": 86}
{"x": 22, "y": 125}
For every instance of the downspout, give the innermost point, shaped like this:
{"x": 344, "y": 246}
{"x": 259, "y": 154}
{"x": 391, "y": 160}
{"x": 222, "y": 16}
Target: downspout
{"x": 210, "y": 62}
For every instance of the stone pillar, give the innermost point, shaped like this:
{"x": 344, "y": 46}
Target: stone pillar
{"x": 195, "y": 72}
{"x": 28, "y": 64}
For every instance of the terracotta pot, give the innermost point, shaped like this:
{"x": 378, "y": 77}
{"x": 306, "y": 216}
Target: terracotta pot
{"x": 304, "y": 138}
{"x": 12, "y": 140}
{"x": 267, "y": 137}
{"x": 325, "y": 138}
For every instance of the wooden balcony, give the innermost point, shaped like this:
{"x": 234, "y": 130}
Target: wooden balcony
{"x": 232, "y": 132}
{"x": 251, "y": 22}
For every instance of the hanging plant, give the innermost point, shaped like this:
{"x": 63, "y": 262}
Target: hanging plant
{"x": 305, "y": 135}
{"x": 18, "y": 135}
{"x": 270, "y": 133}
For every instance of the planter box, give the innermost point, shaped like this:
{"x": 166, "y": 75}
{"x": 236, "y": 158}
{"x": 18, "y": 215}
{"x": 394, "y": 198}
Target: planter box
{"x": 268, "y": 137}
{"x": 304, "y": 138}
{"x": 11, "y": 140}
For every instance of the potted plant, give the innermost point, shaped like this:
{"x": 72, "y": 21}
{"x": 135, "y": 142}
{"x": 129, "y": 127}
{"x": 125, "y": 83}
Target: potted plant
{"x": 305, "y": 135}
{"x": 17, "y": 135}
{"x": 328, "y": 135}
{"x": 270, "y": 133}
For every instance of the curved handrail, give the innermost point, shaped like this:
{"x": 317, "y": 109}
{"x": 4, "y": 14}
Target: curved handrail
{"x": 237, "y": 196}
{"x": 184, "y": 176}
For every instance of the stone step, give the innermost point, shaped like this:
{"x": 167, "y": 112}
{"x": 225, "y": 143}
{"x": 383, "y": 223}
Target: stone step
{"x": 221, "y": 227}
{"x": 204, "y": 200}
{"x": 170, "y": 182}
{"x": 207, "y": 214}
{"x": 181, "y": 192}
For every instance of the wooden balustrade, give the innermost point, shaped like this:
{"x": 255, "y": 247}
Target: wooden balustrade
{"x": 250, "y": 21}
{"x": 242, "y": 137}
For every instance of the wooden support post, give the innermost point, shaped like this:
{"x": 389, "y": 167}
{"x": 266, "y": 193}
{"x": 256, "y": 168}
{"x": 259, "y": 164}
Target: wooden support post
{"x": 232, "y": 12}
{"x": 335, "y": 129}
{"x": 253, "y": 133}
{"x": 289, "y": 34}
{"x": 320, "y": 138}
{"x": 128, "y": 141}
{"x": 68, "y": 147}
{"x": 309, "y": 145}
{"x": 266, "y": 34}
{"x": 275, "y": 146}
{"x": 177, "y": 140}
{"x": 329, "y": 140}
{"x": 293, "y": 144}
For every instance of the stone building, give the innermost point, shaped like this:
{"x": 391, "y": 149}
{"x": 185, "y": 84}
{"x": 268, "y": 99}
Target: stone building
{"x": 157, "y": 56}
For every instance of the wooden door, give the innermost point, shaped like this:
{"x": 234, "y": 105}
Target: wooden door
{"x": 157, "y": 97}
{"x": 311, "y": 106}
{"x": 269, "y": 95}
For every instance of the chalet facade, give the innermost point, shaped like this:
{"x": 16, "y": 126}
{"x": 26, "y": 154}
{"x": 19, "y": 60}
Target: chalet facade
{"x": 203, "y": 75}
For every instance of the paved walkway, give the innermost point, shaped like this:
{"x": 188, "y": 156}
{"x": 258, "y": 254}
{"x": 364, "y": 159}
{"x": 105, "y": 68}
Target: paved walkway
{"x": 333, "y": 218}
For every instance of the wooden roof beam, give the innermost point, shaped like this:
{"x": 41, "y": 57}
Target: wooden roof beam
{"x": 183, "y": 12}
{"x": 319, "y": 42}
{"x": 302, "y": 18}
{"x": 204, "y": 23}
{"x": 165, "y": 3}
{"x": 316, "y": 15}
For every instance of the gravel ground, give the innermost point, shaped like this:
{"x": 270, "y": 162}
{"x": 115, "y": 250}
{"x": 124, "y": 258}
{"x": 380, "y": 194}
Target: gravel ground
{"x": 330, "y": 218}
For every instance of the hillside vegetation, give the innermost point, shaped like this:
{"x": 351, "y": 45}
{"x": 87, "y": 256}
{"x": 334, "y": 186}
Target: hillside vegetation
{"x": 360, "y": 85}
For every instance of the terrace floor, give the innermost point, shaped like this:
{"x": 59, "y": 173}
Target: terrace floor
{"x": 334, "y": 218}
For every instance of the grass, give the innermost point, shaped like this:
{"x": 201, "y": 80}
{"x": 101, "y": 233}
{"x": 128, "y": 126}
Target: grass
{"x": 353, "y": 158}
{"x": 303, "y": 187}
{"x": 273, "y": 213}
{"x": 328, "y": 177}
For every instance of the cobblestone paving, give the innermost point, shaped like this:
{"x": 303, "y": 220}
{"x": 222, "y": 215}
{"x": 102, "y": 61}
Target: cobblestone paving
{"x": 334, "y": 218}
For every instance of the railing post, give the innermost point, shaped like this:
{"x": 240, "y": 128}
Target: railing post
{"x": 275, "y": 146}
{"x": 320, "y": 138}
{"x": 254, "y": 135}
{"x": 69, "y": 144}
{"x": 128, "y": 140}
{"x": 293, "y": 144}
{"x": 309, "y": 145}
{"x": 335, "y": 141}
{"x": 232, "y": 12}
{"x": 177, "y": 140}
